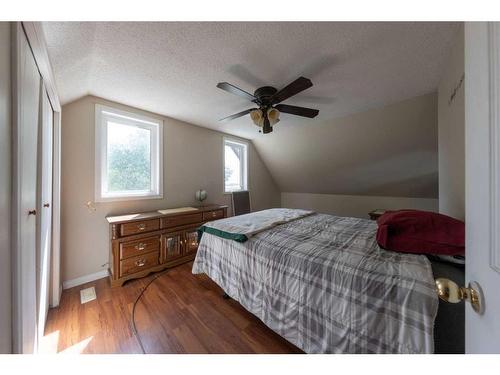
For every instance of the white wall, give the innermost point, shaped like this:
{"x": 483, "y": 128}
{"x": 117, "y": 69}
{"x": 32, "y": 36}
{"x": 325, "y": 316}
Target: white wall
{"x": 5, "y": 190}
{"x": 192, "y": 160}
{"x": 451, "y": 133}
{"x": 353, "y": 205}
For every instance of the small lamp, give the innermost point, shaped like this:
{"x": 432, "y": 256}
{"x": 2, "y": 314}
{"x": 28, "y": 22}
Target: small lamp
{"x": 201, "y": 195}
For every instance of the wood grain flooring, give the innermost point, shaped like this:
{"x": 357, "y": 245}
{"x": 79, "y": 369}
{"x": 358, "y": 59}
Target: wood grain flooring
{"x": 179, "y": 313}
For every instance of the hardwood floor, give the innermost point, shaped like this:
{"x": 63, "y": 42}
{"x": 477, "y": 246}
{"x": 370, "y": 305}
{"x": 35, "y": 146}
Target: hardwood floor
{"x": 179, "y": 313}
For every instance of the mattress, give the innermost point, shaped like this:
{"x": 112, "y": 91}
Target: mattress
{"x": 449, "y": 327}
{"x": 324, "y": 284}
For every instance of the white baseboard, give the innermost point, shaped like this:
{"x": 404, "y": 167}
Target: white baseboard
{"x": 85, "y": 279}
{"x": 54, "y": 301}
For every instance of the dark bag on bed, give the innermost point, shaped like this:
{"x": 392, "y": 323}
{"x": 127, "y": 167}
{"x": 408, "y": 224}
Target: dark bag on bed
{"x": 422, "y": 232}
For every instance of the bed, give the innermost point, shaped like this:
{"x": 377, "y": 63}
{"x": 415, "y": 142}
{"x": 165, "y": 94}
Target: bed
{"x": 323, "y": 283}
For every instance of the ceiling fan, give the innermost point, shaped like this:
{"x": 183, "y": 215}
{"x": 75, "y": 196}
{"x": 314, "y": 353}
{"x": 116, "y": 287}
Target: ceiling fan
{"x": 268, "y": 98}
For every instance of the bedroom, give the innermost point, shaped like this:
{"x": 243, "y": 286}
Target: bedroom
{"x": 142, "y": 223}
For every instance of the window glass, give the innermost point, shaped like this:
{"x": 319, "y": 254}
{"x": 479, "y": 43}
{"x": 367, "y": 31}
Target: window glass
{"x": 128, "y": 156}
{"x": 235, "y": 166}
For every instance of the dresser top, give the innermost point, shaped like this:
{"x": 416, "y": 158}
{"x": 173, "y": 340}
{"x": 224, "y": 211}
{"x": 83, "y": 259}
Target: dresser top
{"x": 156, "y": 214}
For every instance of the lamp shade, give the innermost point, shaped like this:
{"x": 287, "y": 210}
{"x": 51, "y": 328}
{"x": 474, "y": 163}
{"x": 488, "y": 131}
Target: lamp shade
{"x": 257, "y": 117}
{"x": 201, "y": 195}
{"x": 273, "y": 115}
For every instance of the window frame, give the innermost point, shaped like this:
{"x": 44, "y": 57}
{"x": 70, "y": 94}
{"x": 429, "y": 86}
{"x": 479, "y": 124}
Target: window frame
{"x": 245, "y": 164}
{"x": 104, "y": 113}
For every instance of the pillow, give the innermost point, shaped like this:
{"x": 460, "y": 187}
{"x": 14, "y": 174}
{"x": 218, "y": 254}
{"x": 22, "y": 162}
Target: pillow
{"x": 422, "y": 232}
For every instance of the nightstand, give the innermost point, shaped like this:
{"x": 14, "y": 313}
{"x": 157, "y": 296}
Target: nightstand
{"x": 375, "y": 214}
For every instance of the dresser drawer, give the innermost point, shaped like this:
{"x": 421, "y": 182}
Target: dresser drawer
{"x": 170, "y": 222}
{"x": 139, "y": 227}
{"x": 139, "y": 247}
{"x": 213, "y": 215}
{"x": 139, "y": 263}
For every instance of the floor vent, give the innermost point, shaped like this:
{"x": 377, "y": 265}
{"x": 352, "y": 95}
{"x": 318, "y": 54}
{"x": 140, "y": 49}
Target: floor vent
{"x": 87, "y": 295}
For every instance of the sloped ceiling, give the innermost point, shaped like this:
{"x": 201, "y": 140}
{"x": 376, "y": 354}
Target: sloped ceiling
{"x": 388, "y": 151}
{"x": 172, "y": 69}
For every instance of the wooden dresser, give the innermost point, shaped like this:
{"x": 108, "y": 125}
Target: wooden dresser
{"x": 147, "y": 242}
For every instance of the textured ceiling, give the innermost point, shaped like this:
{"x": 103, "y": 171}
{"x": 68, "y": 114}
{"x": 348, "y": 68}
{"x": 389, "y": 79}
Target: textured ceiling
{"x": 171, "y": 68}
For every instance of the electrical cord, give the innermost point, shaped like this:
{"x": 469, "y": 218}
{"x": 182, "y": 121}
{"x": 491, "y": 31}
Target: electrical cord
{"x": 134, "y": 328}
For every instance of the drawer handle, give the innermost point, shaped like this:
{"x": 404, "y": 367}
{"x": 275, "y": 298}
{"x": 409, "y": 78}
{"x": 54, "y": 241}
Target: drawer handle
{"x": 140, "y": 246}
{"x": 140, "y": 262}
{"x": 141, "y": 226}
{"x": 214, "y": 214}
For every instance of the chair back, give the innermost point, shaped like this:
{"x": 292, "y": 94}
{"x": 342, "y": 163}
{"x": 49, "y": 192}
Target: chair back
{"x": 241, "y": 202}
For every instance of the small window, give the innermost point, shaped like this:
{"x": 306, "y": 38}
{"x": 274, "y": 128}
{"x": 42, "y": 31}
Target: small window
{"x": 128, "y": 156}
{"x": 235, "y": 165}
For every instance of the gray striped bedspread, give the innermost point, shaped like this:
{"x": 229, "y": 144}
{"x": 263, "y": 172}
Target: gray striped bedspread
{"x": 324, "y": 284}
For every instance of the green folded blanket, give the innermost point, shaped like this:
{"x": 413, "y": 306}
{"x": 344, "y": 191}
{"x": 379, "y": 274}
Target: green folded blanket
{"x": 241, "y": 228}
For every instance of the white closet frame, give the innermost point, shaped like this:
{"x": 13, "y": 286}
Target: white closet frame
{"x": 34, "y": 34}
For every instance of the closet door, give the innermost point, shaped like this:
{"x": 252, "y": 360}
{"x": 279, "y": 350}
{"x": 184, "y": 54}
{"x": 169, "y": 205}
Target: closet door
{"x": 45, "y": 209}
{"x": 25, "y": 168}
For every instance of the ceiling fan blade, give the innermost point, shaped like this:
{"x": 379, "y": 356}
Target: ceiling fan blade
{"x": 236, "y": 115}
{"x": 300, "y": 84}
{"x": 297, "y": 111}
{"x": 236, "y": 90}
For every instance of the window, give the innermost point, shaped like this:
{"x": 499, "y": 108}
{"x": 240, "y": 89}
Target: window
{"x": 128, "y": 156}
{"x": 235, "y": 165}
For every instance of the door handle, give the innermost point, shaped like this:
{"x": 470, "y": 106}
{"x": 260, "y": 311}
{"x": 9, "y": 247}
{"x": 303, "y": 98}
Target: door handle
{"x": 46, "y": 205}
{"x": 449, "y": 291}
{"x": 32, "y": 212}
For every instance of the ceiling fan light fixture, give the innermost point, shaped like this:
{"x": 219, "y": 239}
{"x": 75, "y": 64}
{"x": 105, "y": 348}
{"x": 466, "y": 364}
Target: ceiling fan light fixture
{"x": 269, "y": 101}
{"x": 257, "y": 117}
{"x": 273, "y": 115}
